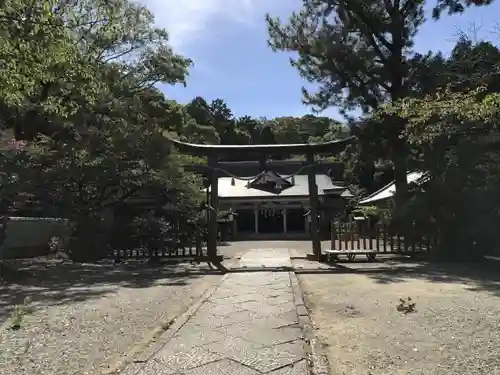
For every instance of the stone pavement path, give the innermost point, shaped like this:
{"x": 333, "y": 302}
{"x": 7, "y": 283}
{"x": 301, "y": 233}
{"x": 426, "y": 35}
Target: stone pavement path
{"x": 249, "y": 325}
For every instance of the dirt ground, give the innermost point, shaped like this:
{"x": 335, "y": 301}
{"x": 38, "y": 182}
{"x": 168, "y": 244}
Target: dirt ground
{"x": 86, "y": 318}
{"x": 455, "y": 329}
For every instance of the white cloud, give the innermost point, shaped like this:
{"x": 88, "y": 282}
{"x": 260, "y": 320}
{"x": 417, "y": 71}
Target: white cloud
{"x": 188, "y": 21}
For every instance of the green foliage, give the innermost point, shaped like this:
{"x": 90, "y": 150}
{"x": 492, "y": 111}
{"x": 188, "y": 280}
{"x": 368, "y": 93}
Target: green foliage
{"x": 18, "y": 314}
{"x": 367, "y": 211}
{"x": 36, "y": 48}
{"x": 79, "y": 91}
{"x": 455, "y": 137}
{"x": 384, "y": 213}
{"x": 222, "y": 127}
{"x": 469, "y": 66}
{"x": 456, "y": 6}
{"x": 306, "y": 129}
{"x": 151, "y": 231}
{"x": 437, "y": 121}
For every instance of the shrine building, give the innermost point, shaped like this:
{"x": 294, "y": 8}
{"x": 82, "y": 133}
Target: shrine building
{"x": 259, "y": 214}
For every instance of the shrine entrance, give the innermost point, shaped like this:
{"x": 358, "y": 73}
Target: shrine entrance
{"x": 267, "y": 181}
{"x": 295, "y": 222}
{"x": 271, "y": 221}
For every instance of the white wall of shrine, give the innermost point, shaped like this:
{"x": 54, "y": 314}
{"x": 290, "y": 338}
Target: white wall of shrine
{"x": 257, "y": 219}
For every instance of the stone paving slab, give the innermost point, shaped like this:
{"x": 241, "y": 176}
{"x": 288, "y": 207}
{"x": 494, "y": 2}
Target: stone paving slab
{"x": 223, "y": 367}
{"x": 298, "y": 368}
{"x": 277, "y": 258}
{"x": 248, "y": 326}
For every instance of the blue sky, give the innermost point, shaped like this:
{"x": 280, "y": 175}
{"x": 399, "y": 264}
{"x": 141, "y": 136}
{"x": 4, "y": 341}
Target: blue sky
{"x": 227, "y": 39}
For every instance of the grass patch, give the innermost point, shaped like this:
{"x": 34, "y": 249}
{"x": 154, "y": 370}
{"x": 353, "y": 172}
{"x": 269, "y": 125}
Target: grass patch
{"x": 18, "y": 314}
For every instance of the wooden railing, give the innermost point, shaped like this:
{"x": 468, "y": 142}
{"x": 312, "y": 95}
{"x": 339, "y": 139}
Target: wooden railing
{"x": 354, "y": 235}
{"x": 188, "y": 243}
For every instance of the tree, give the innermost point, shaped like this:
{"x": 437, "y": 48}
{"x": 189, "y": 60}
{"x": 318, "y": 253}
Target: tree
{"x": 42, "y": 64}
{"x": 469, "y": 66}
{"x": 356, "y": 51}
{"x": 218, "y": 116}
{"x": 81, "y": 44}
{"x": 106, "y": 163}
{"x": 305, "y": 129}
{"x": 199, "y": 110}
{"x": 225, "y": 124}
{"x": 455, "y": 137}
{"x": 178, "y": 120}
{"x": 367, "y": 163}
{"x": 472, "y": 65}
{"x": 106, "y": 138}
{"x": 428, "y": 73}
{"x": 250, "y": 127}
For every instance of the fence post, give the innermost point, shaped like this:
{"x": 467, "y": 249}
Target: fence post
{"x": 198, "y": 240}
{"x": 332, "y": 235}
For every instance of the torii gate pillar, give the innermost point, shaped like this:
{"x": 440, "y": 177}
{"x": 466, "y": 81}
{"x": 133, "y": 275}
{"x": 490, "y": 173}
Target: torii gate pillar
{"x": 313, "y": 202}
{"x": 213, "y": 230}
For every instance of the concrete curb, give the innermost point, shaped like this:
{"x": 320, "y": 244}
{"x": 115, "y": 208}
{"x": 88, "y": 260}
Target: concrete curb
{"x": 140, "y": 360}
{"x": 318, "y": 360}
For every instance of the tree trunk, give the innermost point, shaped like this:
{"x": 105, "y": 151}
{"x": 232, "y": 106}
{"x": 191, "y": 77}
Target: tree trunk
{"x": 400, "y": 180}
{"x": 401, "y": 184}
{"x": 397, "y": 92}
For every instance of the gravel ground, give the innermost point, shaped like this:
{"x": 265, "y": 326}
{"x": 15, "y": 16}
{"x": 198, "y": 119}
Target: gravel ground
{"x": 84, "y": 318}
{"x": 455, "y": 330}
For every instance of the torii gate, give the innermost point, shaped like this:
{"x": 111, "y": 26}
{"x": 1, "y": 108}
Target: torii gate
{"x": 267, "y": 180}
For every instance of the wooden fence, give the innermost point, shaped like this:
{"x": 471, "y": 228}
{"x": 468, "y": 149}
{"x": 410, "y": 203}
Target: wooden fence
{"x": 362, "y": 236}
{"x": 189, "y": 243}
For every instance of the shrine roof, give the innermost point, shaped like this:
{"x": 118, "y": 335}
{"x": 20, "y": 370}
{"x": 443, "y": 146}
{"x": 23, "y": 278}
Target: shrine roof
{"x": 300, "y": 189}
{"x": 389, "y": 190}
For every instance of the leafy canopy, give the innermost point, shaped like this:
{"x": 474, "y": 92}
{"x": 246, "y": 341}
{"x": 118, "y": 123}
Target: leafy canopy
{"x": 86, "y": 104}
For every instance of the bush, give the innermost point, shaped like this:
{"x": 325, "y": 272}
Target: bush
{"x": 151, "y": 232}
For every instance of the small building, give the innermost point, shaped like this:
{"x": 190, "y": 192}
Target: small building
{"x": 381, "y": 196}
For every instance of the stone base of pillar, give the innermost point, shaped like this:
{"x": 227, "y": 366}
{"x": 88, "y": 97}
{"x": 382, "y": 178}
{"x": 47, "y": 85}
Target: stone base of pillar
{"x": 314, "y": 257}
{"x": 207, "y": 258}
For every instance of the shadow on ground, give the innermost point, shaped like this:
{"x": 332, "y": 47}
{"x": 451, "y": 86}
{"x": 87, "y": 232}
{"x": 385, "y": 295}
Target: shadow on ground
{"x": 56, "y": 282}
{"x": 478, "y": 276}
